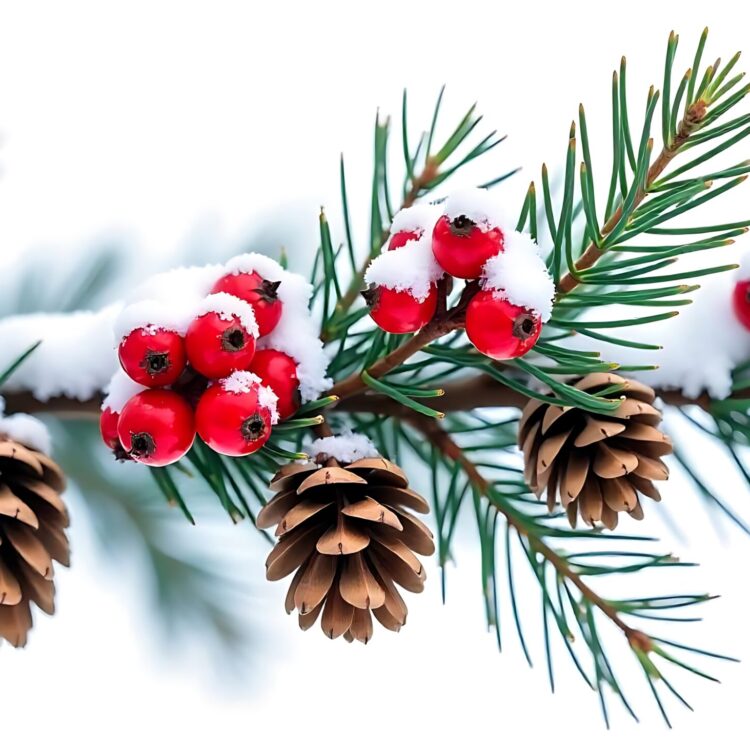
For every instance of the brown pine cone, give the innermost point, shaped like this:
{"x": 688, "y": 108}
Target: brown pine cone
{"x": 32, "y": 522}
{"x": 347, "y": 532}
{"x": 596, "y": 465}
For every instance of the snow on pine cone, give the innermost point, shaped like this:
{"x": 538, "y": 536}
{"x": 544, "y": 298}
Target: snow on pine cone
{"x": 348, "y": 534}
{"x": 33, "y": 519}
{"x": 596, "y": 465}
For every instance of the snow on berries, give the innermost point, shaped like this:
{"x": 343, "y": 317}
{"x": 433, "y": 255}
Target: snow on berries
{"x": 468, "y": 237}
{"x": 234, "y": 416}
{"x": 402, "y": 285}
{"x": 221, "y": 338}
{"x": 470, "y": 231}
{"x": 412, "y": 223}
{"x": 224, "y": 351}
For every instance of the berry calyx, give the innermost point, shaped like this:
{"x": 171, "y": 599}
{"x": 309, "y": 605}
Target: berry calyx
{"x": 108, "y": 428}
{"x": 218, "y": 343}
{"x": 156, "y": 427}
{"x": 499, "y": 329}
{"x": 741, "y": 302}
{"x": 278, "y": 371}
{"x": 399, "y": 311}
{"x": 235, "y": 415}
{"x": 462, "y": 247}
{"x": 261, "y": 294}
{"x": 153, "y": 356}
{"x": 399, "y": 239}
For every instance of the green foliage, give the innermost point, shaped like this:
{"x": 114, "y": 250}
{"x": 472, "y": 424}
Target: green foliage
{"x": 611, "y": 242}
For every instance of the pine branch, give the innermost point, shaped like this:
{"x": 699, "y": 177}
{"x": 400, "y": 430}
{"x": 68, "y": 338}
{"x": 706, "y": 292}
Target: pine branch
{"x": 449, "y": 448}
{"x": 691, "y": 122}
{"x": 570, "y": 571}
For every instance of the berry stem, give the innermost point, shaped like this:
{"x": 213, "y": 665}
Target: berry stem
{"x": 439, "y": 326}
{"x": 692, "y": 120}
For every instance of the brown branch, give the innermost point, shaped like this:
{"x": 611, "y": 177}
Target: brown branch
{"x": 693, "y": 117}
{"x": 431, "y": 429}
{"x": 475, "y": 392}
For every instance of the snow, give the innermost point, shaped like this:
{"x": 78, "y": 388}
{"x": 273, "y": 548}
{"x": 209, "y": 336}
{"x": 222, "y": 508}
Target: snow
{"x": 240, "y": 381}
{"x": 244, "y": 382}
{"x": 25, "y": 429}
{"x": 150, "y": 316}
{"x": 120, "y": 390}
{"x": 228, "y": 307}
{"x": 520, "y": 275}
{"x": 420, "y": 217}
{"x": 481, "y": 206}
{"x": 344, "y": 448}
{"x": 268, "y": 399}
{"x": 296, "y": 333}
{"x": 702, "y": 345}
{"x": 75, "y": 359}
{"x": 172, "y": 296}
{"x": 411, "y": 268}
{"x": 184, "y": 284}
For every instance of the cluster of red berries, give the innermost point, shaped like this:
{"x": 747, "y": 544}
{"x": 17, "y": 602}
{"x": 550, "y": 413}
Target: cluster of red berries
{"x": 210, "y": 381}
{"x": 461, "y": 247}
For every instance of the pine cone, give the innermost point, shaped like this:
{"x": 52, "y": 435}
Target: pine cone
{"x": 598, "y": 466}
{"x": 347, "y": 533}
{"x": 32, "y": 522}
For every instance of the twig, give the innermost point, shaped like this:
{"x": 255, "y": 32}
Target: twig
{"x": 693, "y": 117}
{"x": 449, "y": 448}
{"x": 439, "y": 326}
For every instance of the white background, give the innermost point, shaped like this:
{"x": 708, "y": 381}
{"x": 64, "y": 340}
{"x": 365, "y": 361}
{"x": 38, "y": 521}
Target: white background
{"x": 155, "y": 120}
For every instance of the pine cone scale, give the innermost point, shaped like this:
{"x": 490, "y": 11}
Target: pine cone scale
{"x": 595, "y": 465}
{"x": 371, "y": 510}
{"x": 10, "y": 588}
{"x": 358, "y": 585}
{"x": 349, "y": 534}
{"x": 13, "y": 507}
{"x": 291, "y": 551}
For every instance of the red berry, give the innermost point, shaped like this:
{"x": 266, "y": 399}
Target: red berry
{"x": 261, "y": 294}
{"x": 500, "y": 329}
{"x": 108, "y": 428}
{"x": 399, "y": 239}
{"x": 218, "y": 344}
{"x": 233, "y": 417}
{"x": 741, "y": 302}
{"x": 399, "y": 311}
{"x": 152, "y": 356}
{"x": 462, "y": 247}
{"x": 156, "y": 427}
{"x": 278, "y": 371}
